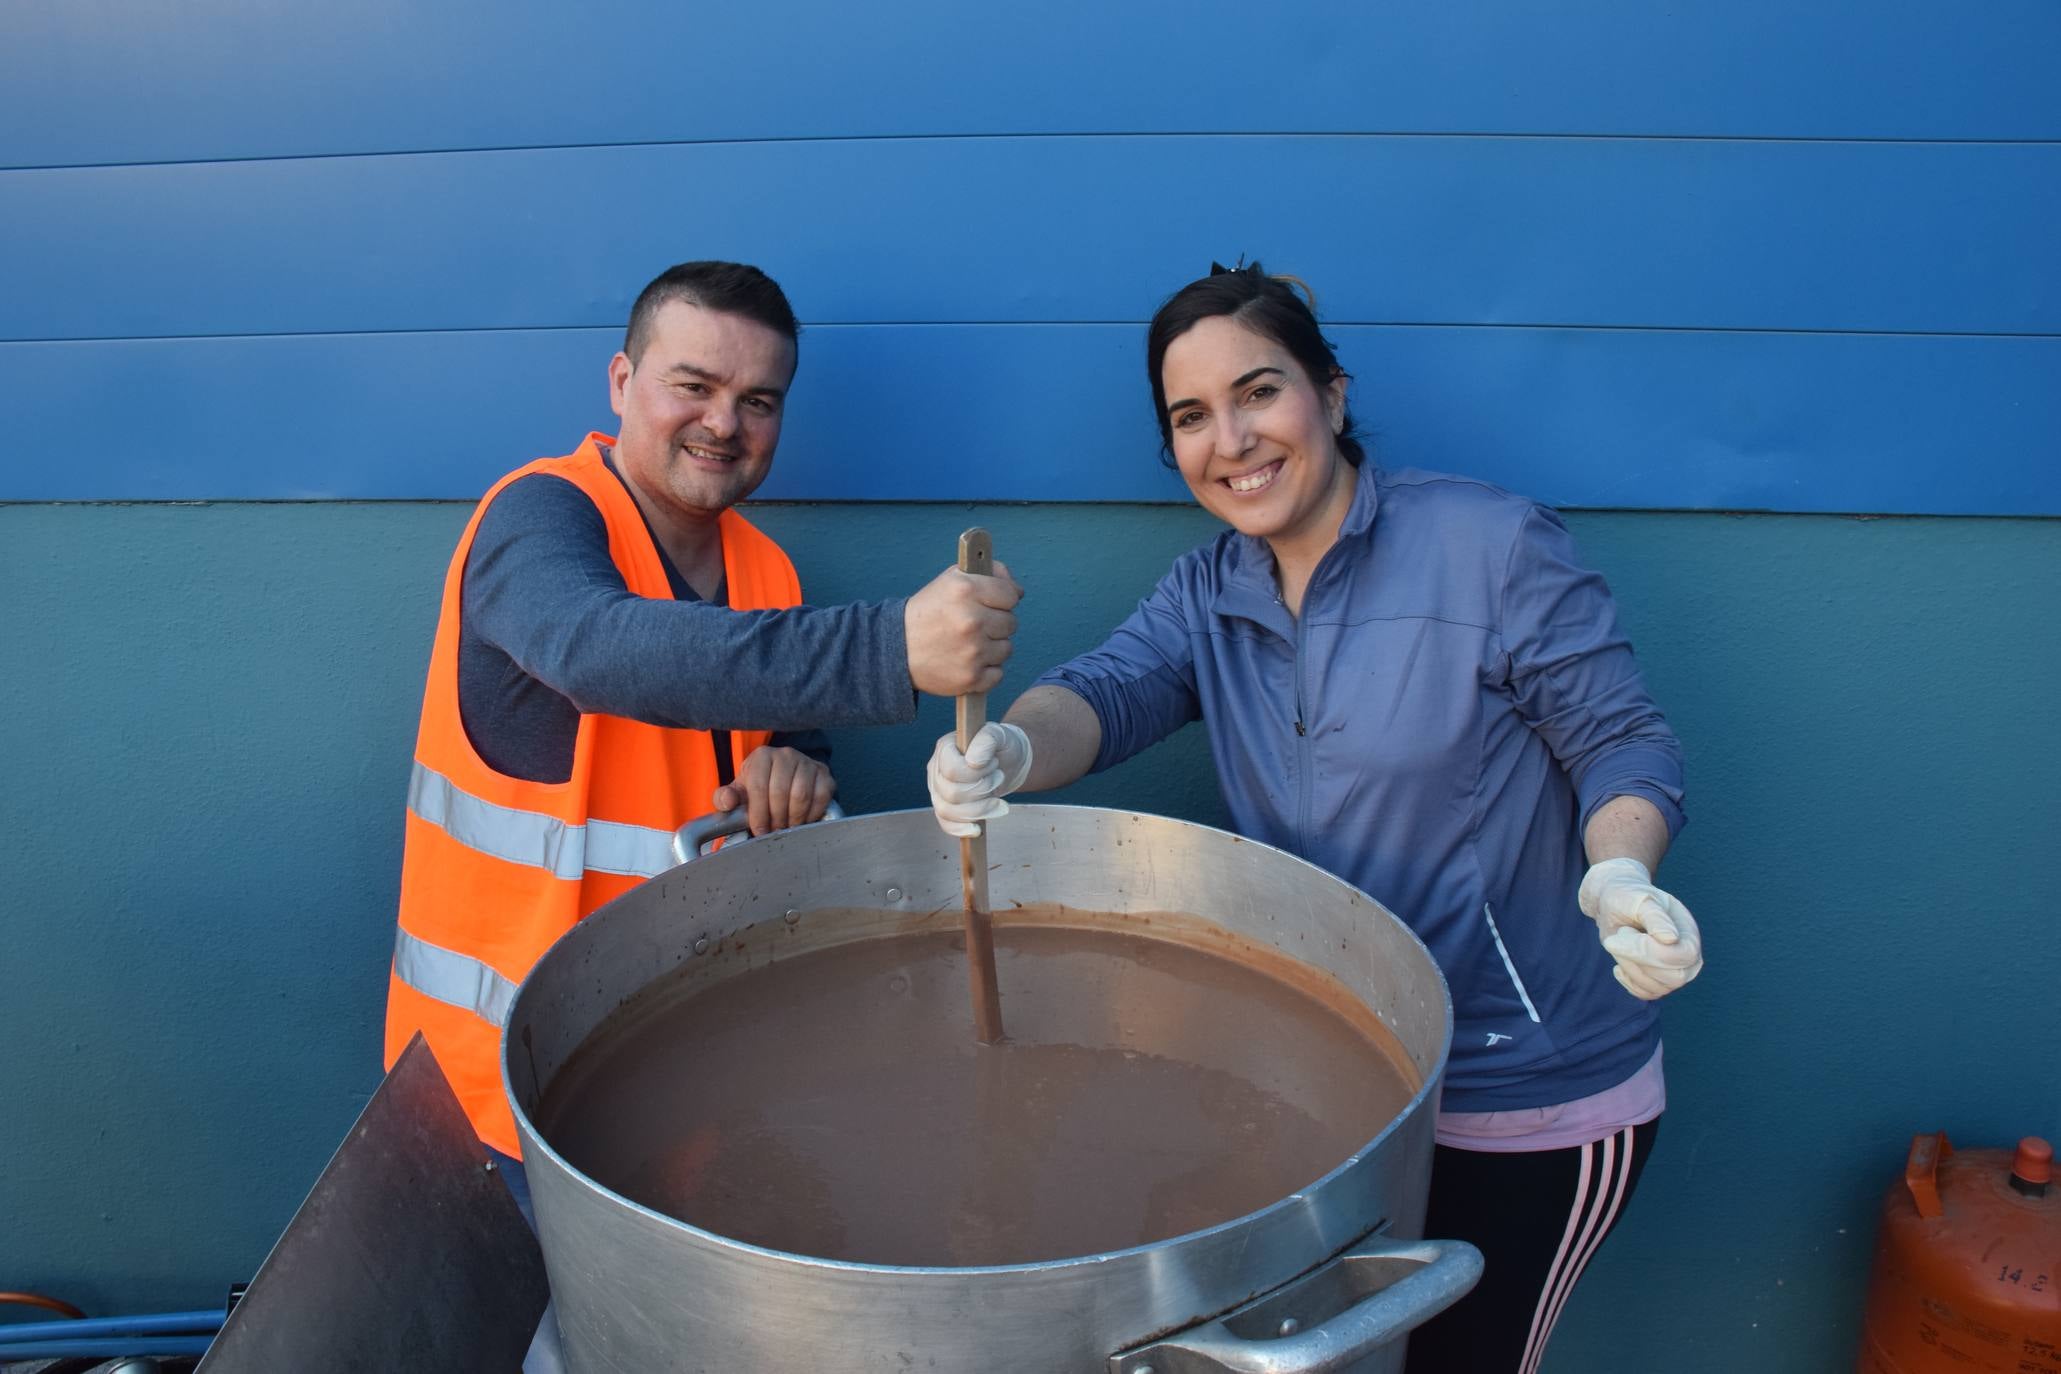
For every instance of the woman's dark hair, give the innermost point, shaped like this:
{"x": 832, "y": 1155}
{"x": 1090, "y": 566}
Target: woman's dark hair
{"x": 729, "y": 288}
{"x": 1267, "y": 305}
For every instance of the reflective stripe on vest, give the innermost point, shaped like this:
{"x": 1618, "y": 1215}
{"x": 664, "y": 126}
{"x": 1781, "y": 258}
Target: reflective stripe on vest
{"x": 451, "y": 977}
{"x": 525, "y": 837}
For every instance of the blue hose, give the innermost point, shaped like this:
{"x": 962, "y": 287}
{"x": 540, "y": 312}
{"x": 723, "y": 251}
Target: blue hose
{"x": 148, "y": 1324}
{"x": 105, "y": 1347}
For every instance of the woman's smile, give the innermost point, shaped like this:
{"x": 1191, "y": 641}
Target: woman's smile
{"x": 1259, "y": 479}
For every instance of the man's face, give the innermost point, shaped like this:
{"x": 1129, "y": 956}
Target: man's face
{"x": 701, "y": 409}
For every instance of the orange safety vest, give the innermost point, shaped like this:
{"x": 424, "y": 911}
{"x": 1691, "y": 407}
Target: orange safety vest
{"x": 496, "y": 868}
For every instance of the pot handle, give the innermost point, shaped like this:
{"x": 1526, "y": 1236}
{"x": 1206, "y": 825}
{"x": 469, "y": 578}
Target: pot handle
{"x": 1388, "y": 1288}
{"x": 694, "y": 838}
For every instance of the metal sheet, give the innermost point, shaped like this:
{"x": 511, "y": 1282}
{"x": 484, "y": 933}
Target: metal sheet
{"x": 1572, "y": 417}
{"x": 1777, "y": 235}
{"x": 149, "y": 83}
{"x": 408, "y": 1253}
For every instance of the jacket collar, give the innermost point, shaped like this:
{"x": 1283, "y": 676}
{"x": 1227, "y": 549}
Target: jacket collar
{"x": 1248, "y": 592}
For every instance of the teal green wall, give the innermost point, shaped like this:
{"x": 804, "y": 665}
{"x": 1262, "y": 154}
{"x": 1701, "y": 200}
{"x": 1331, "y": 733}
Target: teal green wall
{"x": 205, "y": 737}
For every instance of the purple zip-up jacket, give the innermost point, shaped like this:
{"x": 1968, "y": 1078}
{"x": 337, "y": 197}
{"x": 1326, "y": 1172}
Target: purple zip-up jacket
{"x": 1454, "y": 704}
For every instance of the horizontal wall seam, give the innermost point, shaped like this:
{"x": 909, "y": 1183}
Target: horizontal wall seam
{"x": 807, "y": 326}
{"x": 1572, "y": 508}
{"x": 1569, "y": 137}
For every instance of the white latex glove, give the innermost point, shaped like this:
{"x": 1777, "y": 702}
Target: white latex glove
{"x": 1651, "y": 935}
{"x": 968, "y": 788}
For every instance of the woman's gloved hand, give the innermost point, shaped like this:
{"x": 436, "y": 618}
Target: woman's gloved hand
{"x": 1652, "y": 936}
{"x": 968, "y": 788}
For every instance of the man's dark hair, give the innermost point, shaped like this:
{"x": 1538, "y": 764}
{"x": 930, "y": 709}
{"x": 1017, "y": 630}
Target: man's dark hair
{"x": 1266, "y": 305}
{"x": 734, "y": 288}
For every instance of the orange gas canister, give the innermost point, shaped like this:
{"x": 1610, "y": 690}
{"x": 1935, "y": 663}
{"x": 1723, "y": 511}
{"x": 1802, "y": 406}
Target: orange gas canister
{"x": 1967, "y": 1273}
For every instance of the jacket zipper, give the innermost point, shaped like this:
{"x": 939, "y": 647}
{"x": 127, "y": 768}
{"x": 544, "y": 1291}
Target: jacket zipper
{"x": 1302, "y": 751}
{"x": 1302, "y": 736}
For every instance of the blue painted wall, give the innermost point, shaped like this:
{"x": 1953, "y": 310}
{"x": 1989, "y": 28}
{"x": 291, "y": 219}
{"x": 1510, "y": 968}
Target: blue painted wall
{"x": 1668, "y": 261}
{"x": 1702, "y": 258}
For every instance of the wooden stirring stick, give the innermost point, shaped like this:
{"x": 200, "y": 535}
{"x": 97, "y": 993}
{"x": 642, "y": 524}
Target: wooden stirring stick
{"x": 977, "y": 555}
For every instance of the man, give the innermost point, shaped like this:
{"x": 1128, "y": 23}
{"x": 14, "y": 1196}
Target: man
{"x": 616, "y": 651}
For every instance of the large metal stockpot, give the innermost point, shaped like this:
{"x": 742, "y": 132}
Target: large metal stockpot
{"x": 1325, "y": 1279}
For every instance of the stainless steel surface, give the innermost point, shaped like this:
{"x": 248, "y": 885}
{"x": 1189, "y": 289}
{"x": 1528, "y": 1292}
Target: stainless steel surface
{"x": 639, "y": 1291}
{"x": 1334, "y": 1319}
{"x": 408, "y": 1253}
{"x": 693, "y": 839}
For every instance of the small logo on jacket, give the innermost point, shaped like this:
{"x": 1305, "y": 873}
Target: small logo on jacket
{"x": 1496, "y": 1038}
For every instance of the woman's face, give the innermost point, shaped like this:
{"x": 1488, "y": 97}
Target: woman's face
{"x": 1253, "y": 435}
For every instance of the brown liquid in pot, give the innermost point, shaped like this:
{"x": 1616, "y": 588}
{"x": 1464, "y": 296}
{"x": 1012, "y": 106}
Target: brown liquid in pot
{"x": 835, "y": 1104}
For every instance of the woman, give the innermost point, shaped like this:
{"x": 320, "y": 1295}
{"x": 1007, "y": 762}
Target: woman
{"x": 1409, "y": 680}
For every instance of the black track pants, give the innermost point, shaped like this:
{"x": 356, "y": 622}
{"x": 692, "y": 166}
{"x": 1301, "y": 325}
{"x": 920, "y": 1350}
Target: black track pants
{"x": 1538, "y": 1217}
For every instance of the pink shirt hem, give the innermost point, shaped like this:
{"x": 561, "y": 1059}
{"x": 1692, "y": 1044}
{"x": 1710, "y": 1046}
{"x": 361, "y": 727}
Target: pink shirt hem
{"x": 1633, "y": 1102}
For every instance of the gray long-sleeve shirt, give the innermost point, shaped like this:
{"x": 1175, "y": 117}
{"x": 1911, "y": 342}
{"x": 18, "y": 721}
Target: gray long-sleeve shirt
{"x": 549, "y": 631}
